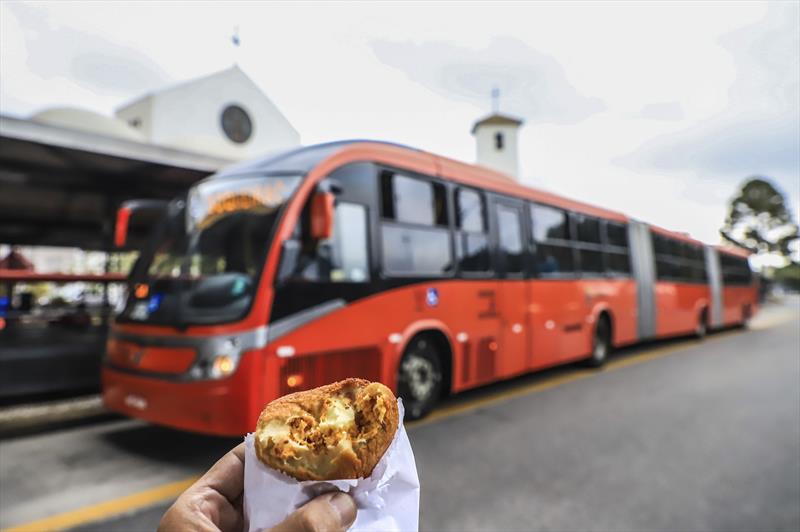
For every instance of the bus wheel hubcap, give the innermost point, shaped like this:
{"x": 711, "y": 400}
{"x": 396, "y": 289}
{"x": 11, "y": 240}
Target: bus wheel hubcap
{"x": 420, "y": 375}
{"x": 600, "y": 349}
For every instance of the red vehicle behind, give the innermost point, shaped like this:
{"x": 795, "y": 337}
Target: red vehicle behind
{"x": 378, "y": 261}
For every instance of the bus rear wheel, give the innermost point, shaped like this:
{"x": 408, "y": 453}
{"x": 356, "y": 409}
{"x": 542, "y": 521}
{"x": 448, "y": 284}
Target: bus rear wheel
{"x": 746, "y": 315}
{"x": 701, "y": 330}
{"x": 601, "y": 344}
{"x": 419, "y": 379}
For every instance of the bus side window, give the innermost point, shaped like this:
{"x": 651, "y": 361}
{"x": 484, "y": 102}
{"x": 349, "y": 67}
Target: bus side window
{"x": 349, "y": 244}
{"x": 588, "y": 229}
{"x": 617, "y": 235}
{"x": 552, "y": 235}
{"x": 588, "y": 243}
{"x": 735, "y": 270}
{"x": 472, "y": 245}
{"x": 341, "y": 258}
{"x": 345, "y": 256}
{"x": 414, "y": 229}
{"x": 666, "y": 268}
{"x": 679, "y": 261}
{"x": 413, "y": 201}
{"x": 509, "y": 232}
{"x": 617, "y": 254}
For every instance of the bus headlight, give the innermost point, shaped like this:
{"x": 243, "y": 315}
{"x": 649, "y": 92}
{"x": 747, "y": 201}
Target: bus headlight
{"x": 222, "y": 366}
{"x": 221, "y": 362}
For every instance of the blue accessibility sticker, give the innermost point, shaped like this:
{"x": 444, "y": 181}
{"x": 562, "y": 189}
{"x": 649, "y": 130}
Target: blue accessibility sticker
{"x": 432, "y": 297}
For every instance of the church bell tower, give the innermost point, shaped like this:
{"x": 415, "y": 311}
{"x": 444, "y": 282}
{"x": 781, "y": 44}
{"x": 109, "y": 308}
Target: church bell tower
{"x": 496, "y": 140}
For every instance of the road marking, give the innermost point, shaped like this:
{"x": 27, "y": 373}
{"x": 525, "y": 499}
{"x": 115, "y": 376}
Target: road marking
{"x": 104, "y": 510}
{"x": 166, "y": 492}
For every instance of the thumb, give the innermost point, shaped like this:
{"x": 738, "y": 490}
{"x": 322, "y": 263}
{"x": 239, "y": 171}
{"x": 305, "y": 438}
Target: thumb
{"x": 332, "y": 512}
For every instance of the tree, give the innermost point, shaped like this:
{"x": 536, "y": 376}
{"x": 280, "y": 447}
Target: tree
{"x": 759, "y": 221}
{"x": 789, "y": 276}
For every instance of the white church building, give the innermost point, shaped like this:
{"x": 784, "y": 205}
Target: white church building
{"x": 224, "y": 115}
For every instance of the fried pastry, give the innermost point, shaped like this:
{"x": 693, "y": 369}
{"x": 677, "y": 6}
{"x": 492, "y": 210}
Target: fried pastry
{"x": 337, "y": 431}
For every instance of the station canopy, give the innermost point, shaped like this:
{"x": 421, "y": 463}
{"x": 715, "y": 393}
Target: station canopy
{"x": 62, "y": 187}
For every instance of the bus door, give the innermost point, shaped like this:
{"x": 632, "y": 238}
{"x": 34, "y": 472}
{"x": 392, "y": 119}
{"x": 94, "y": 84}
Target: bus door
{"x": 512, "y": 289}
{"x": 318, "y": 276}
{"x": 478, "y": 296}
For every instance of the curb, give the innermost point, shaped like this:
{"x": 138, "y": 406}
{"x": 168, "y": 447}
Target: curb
{"x": 41, "y": 416}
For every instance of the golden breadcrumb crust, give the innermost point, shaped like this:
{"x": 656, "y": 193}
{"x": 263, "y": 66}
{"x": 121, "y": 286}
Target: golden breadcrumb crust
{"x": 332, "y": 432}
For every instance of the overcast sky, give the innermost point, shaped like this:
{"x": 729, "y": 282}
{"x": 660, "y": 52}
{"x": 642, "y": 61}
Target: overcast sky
{"x": 657, "y": 110}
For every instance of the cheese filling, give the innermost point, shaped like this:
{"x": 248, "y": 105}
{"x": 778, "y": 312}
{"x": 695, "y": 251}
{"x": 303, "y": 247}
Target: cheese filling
{"x": 275, "y": 431}
{"x": 338, "y": 413}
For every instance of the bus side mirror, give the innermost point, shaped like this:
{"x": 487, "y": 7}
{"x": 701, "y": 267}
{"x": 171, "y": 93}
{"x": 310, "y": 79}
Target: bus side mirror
{"x": 145, "y": 213}
{"x": 121, "y": 228}
{"x": 322, "y": 210}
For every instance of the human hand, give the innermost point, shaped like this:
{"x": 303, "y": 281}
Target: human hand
{"x": 214, "y": 503}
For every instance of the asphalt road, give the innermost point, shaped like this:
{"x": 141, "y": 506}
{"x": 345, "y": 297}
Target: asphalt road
{"x": 671, "y": 436}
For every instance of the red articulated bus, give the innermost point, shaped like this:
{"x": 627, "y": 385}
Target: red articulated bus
{"x": 373, "y": 260}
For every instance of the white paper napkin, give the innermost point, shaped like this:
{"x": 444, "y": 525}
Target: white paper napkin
{"x": 387, "y": 500}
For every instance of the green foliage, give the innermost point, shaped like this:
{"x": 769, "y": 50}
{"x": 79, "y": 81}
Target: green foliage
{"x": 40, "y": 290}
{"x": 789, "y": 276}
{"x": 758, "y": 220}
{"x": 122, "y": 262}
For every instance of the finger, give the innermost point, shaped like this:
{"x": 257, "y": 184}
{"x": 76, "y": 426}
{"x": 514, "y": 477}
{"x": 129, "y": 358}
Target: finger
{"x": 239, "y": 451}
{"x": 227, "y": 475}
{"x": 228, "y": 516}
{"x": 332, "y": 512}
{"x": 184, "y": 515}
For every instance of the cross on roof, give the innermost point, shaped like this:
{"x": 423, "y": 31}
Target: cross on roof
{"x": 495, "y": 99}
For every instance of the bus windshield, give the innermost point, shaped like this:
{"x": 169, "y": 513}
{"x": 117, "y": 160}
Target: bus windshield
{"x": 205, "y": 269}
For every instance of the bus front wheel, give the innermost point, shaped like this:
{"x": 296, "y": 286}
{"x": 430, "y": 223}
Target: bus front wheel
{"x": 420, "y": 377}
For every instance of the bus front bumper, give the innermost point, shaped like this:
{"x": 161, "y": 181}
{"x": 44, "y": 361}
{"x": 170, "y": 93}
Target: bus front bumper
{"x": 222, "y": 407}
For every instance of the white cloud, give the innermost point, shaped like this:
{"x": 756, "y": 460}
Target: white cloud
{"x": 644, "y": 62}
{"x": 95, "y": 62}
{"x": 662, "y": 111}
{"x": 532, "y": 84}
{"x": 758, "y": 132}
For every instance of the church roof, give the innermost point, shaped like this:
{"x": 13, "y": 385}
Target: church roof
{"x": 234, "y": 70}
{"x": 497, "y": 119}
{"x": 86, "y": 120}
